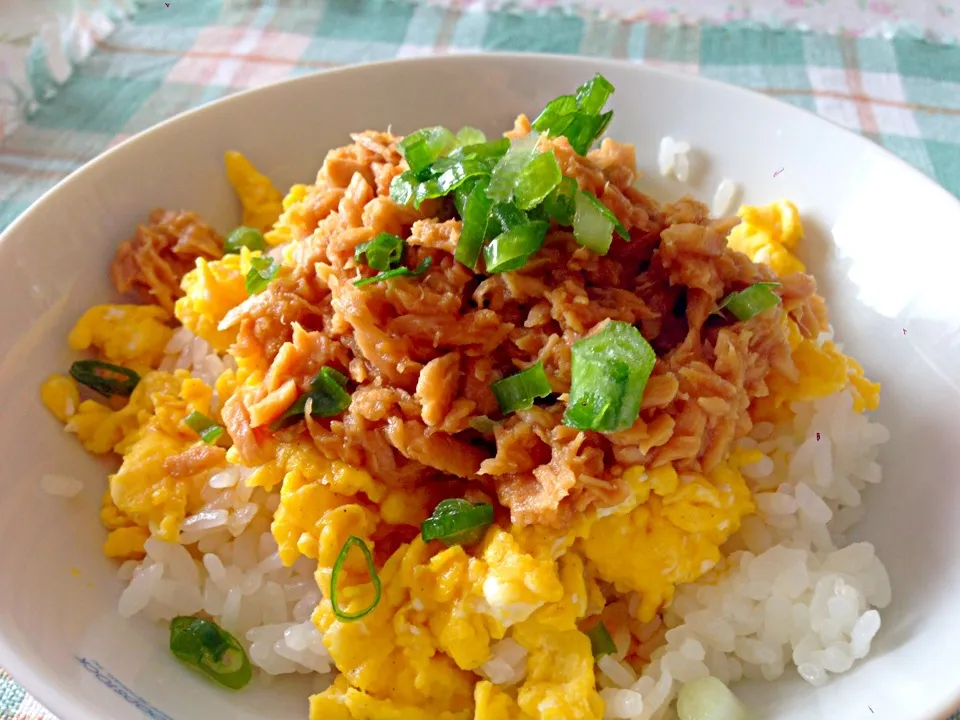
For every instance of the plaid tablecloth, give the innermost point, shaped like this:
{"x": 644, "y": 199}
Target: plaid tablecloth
{"x": 903, "y": 93}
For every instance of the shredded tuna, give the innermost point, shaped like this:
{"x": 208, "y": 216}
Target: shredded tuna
{"x": 194, "y": 460}
{"x": 422, "y": 352}
{"x": 161, "y": 252}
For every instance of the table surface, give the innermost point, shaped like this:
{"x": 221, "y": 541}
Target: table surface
{"x": 141, "y": 68}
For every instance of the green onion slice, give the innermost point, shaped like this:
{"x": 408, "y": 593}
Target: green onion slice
{"x": 205, "y": 646}
{"x": 340, "y": 614}
{"x": 593, "y": 94}
{"x": 509, "y": 216}
{"x": 475, "y": 214}
{"x": 397, "y": 272}
{"x": 555, "y": 109}
{"x": 490, "y": 151}
{"x": 505, "y": 174}
{"x": 600, "y": 641}
{"x": 262, "y": 270}
{"x": 244, "y": 237}
{"x": 106, "y": 378}
{"x": 471, "y": 136}
{"x": 609, "y": 373}
{"x": 518, "y": 391}
{"x": 593, "y": 223}
{"x": 330, "y": 398}
{"x": 403, "y": 188}
{"x": 207, "y": 428}
{"x": 560, "y": 205}
{"x": 457, "y": 522}
{"x": 381, "y": 253}
{"x": 536, "y": 180}
{"x": 422, "y": 148}
{"x": 578, "y": 117}
{"x": 752, "y": 301}
{"x": 512, "y": 249}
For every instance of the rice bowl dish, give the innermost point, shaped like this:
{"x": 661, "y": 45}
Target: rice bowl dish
{"x": 474, "y": 428}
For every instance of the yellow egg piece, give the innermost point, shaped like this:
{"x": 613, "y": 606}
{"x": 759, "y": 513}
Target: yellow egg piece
{"x": 768, "y": 234}
{"x": 262, "y": 202}
{"x": 133, "y": 336}
{"x": 61, "y": 396}
{"x": 211, "y": 290}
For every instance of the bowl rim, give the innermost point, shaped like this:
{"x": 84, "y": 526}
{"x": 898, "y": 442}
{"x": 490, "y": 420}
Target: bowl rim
{"x": 49, "y": 694}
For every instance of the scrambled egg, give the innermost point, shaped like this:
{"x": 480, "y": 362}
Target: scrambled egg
{"x": 133, "y": 336}
{"x": 211, "y": 290}
{"x": 260, "y": 199}
{"x": 768, "y": 235}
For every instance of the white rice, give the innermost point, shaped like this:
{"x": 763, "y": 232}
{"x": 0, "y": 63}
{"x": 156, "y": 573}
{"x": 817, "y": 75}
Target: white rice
{"x": 63, "y": 486}
{"x": 724, "y": 198}
{"x": 675, "y": 158}
{"x": 240, "y": 581}
{"x": 791, "y": 593}
{"x": 186, "y": 351}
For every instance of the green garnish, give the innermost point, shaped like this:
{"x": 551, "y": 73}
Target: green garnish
{"x": 752, "y": 301}
{"x": 207, "y": 428}
{"x": 578, "y": 117}
{"x": 609, "y": 373}
{"x": 106, "y": 378}
{"x": 244, "y": 237}
{"x": 504, "y": 176}
{"x": 512, "y": 249}
{"x": 381, "y": 253}
{"x": 474, "y": 208}
{"x": 205, "y": 646}
{"x": 593, "y": 223}
{"x": 560, "y": 205}
{"x": 262, "y": 270}
{"x": 340, "y": 614}
{"x": 424, "y": 147}
{"x": 600, "y": 641}
{"x": 457, "y": 522}
{"x": 471, "y": 136}
{"x": 327, "y": 393}
{"x": 536, "y": 180}
{"x": 518, "y": 391}
{"x": 397, "y": 272}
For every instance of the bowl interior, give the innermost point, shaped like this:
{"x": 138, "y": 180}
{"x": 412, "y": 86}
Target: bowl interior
{"x": 879, "y": 243}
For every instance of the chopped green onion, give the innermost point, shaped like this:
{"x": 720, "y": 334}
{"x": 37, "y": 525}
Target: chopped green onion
{"x": 560, "y": 205}
{"x": 205, "y": 646}
{"x": 504, "y": 175}
{"x": 509, "y": 216}
{"x": 457, "y": 522}
{"x": 208, "y": 430}
{"x": 555, "y": 109}
{"x": 752, "y": 301}
{"x": 244, "y": 237}
{"x": 262, "y": 270}
{"x": 397, "y": 272}
{"x": 340, "y": 614}
{"x": 512, "y": 249}
{"x": 490, "y": 151}
{"x": 578, "y": 117}
{"x": 518, "y": 391}
{"x": 106, "y": 378}
{"x": 327, "y": 393}
{"x": 593, "y": 223}
{"x": 381, "y": 253}
{"x": 483, "y": 425}
{"x": 609, "y": 373}
{"x": 707, "y": 698}
{"x": 471, "y": 136}
{"x": 593, "y": 94}
{"x": 475, "y": 214}
{"x": 403, "y": 188}
{"x": 423, "y": 147}
{"x": 600, "y": 641}
{"x": 536, "y": 180}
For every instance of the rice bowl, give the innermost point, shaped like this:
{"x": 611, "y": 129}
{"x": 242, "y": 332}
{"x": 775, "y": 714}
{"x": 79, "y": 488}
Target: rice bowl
{"x": 805, "y": 479}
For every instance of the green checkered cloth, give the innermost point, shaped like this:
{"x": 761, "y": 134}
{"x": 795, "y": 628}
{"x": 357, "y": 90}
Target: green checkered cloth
{"x": 903, "y": 93}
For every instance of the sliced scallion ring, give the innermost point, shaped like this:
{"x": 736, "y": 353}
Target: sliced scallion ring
{"x": 470, "y": 136}
{"x": 512, "y": 249}
{"x": 475, "y": 214}
{"x": 397, "y": 272}
{"x": 536, "y": 180}
{"x": 457, "y": 522}
{"x": 263, "y": 269}
{"x": 205, "y": 646}
{"x": 560, "y": 205}
{"x": 244, "y": 237}
{"x": 609, "y": 372}
{"x": 207, "y": 428}
{"x": 752, "y": 301}
{"x": 594, "y": 224}
{"x": 381, "y": 253}
{"x": 327, "y": 393}
{"x": 106, "y": 378}
{"x": 424, "y": 147}
{"x": 518, "y": 391}
{"x": 341, "y": 614}
{"x": 600, "y": 641}
{"x": 504, "y": 175}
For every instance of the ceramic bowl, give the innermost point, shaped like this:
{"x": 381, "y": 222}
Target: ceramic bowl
{"x": 882, "y": 243}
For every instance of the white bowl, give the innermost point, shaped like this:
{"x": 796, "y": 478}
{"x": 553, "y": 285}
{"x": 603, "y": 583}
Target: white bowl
{"x": 882, "y": 243}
